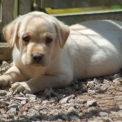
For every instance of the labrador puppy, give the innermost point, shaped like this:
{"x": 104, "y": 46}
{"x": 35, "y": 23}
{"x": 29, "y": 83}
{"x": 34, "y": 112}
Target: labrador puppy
{"x": 48, "y": 53}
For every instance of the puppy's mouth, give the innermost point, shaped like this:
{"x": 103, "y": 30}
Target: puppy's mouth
{"x": 36, "y": 64}
{"x": 42, "y": 63}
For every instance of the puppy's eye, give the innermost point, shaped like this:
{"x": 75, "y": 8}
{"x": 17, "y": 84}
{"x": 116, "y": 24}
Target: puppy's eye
{"x": 26, "y": 39}
{"x": 48, "y": 40}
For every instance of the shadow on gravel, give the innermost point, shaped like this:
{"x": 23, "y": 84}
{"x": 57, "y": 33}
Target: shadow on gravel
{"x": 76, "y": 102}
{"x": 67, "y": 117}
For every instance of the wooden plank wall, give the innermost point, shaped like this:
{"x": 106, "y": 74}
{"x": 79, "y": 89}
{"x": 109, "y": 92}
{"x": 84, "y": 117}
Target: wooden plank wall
{"x": 9, "y": 11}
{"x": 25, "y": 6}
{"x": 78, "y": 17}
{"x": 78, "y": 3}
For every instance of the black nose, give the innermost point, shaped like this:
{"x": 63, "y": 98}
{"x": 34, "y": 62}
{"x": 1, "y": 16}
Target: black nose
{"x": 37, "y": 57}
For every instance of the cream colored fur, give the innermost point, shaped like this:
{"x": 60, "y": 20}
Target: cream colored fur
{"x": 88, "y": 49}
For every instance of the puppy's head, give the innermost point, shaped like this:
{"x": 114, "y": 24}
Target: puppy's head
{"x": 37, "y": 36}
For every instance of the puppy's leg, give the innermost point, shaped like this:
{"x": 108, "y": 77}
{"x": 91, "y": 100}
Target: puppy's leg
{"x": 37, "y": 84}
{"x": 11, "y": 76}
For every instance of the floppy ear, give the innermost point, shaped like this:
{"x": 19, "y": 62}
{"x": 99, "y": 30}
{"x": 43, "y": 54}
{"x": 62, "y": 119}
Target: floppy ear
{"x": 10, "y": 31}
{"x": 62, "y": 31}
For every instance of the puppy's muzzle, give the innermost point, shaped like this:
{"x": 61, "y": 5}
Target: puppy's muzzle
{"x": 37, "y": 57}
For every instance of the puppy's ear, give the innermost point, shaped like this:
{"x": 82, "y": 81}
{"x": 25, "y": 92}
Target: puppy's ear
{"x": 62, "y": 31}
{"x": 10, "y": 31}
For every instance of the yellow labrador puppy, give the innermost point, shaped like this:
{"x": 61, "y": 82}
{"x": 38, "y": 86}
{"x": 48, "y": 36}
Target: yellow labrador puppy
{"x": 48, "y": 53}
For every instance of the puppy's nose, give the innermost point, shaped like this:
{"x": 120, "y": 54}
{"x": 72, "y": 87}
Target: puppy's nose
{"x": 37, "y": 57}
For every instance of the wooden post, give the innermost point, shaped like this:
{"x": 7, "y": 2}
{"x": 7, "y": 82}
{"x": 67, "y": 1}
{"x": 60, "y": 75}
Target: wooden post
{"x": 24, "y": 6}
{"x": 7, "y": 11}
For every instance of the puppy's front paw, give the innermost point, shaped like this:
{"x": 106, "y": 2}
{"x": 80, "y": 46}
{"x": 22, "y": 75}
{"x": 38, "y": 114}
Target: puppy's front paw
{"x": 21, "y": 87}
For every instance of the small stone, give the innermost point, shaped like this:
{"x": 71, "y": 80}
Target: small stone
{"x": 91, "y": 103}
{"x": 5, "y": 66}
{"x": 21, "y": 94}
{"x": 3, "y": 104}
{"x": 24, "y": 113}
{"x": 98, "y": 88}
{"x": 119, "y": 89}
{"x": 37, "y": 107}
{"x": 23, "y": 102}
{"x": 72, "y": 110}
{"x": 30, "y": 114}
{"x": 120, "y": 113}
{"x": 114, "y": 113}
{"x": 22, "y": 118}
{"x": 107, "y": 119}
{"x": 3, "y": 92}
{"x": 45, "y": 102}
{"x": 117, "y": 81}
{"x": 97, "y": 81}
{"x": 92, "y": 109}
{"x": 31, "y": 96}
{"x": 106, "y": 81}
{"x": 11, "y": 112}
{"x": 6, "y": 119}
{"x": 91, "y": 91}
{"x": 103, "y": 114}
{"x": 5, "y": 115}
{"x": 9, "y": 94}
{"x": 2, "y": 111}
{"x": 80, "y": 101}
{"x": 21, "y": 98}
{"x": 104, "y": 87}
{"x": 13, "y": 105}
{"x": 120, "y": 107}
{"x": 90, "y": 84}
{"x": 116, "y": 76}
{"x": 4, "y": 63}
{"x": 32, "y": 110}
{"x": 71, "y": 101}
{"x": 66, "y": 99}
{"x": 83, "y": 87}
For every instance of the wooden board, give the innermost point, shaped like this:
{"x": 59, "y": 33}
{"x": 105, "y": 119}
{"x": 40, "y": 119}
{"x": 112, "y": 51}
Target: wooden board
{"x": 78, "y": 3}
{"x": 24, "y": 6}
{"x": 7, "y": 11}
{"x": 80, "y": 17}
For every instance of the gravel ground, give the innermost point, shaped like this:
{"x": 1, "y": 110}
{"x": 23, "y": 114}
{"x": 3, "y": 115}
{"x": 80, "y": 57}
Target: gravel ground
{"x": 89, "y": 100}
